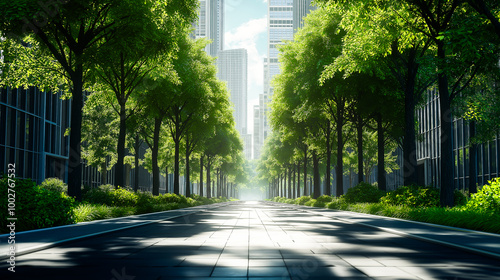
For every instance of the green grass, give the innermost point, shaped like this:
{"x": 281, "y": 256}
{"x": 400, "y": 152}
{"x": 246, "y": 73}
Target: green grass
{"x": 461, "y": 217}
{"x": 86, "y": 212}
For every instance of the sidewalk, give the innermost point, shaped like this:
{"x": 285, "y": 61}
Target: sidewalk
{"x": 483, "y": 243}
{"x": 35, "y": 240}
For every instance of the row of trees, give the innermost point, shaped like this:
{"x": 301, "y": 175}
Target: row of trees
{"x": 134, "y": 75}
{"x": 362, "y": 67}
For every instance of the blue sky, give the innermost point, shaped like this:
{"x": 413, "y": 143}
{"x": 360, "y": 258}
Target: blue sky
{"x": 246, "y": 27}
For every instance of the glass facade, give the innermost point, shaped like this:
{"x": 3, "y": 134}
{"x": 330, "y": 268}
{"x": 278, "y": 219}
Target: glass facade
{"x": 429, "y": 150}
{"x": 34, "y": 123}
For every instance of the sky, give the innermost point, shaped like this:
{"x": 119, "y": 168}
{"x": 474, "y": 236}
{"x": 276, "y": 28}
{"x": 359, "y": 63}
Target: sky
{"x": 246, "y": 27}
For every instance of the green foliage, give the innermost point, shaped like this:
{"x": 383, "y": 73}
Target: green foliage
{"x": 338, "y": 203}
{"x": 302, "y": 200}
{"x": 108, "y": 195}
{"x": 54, "y": 184}
{"x": 312, "y": 202}
{"x": 487, "y": 199}
{"x": 91, "y": 212}
{"x": 413, "y": 196}
{"x": 37, "y": 207}
{"x": 460, "y": 198}
{"x": 325, "y": 198}
{"x": 363, "y": 192}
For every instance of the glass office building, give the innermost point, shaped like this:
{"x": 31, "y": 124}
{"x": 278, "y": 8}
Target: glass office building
{"x": 33, "y": 125}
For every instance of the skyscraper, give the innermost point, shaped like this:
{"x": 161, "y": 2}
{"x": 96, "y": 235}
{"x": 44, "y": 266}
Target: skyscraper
{"x": 210, "y": 25}
{"x": 232, "y": 66}
{"x": 257, "y": 144}
{"x": 284, "y": 17}
{"x": 301, "y": 8}
{"x": 280, "y": 28}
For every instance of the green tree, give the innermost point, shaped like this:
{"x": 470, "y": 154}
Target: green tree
{"x": 99, "y": 133}
{"x": 73, "y": 33}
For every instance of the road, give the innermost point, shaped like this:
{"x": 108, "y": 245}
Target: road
{"x": 251, "y": 240}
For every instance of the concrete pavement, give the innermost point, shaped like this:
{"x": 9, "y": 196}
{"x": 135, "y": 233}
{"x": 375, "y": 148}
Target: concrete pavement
{"x": 243, "y": 240}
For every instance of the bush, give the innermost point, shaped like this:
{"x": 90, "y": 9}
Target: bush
{"x": 290, "y": 201}
{"x": 460, "y": 198}
{"x": 363, "y": 192}
{"x": 338, "y": 204}
{"x": 302, "y": 200}
{"x": 310, "y": 202}
{"x": 325, "y": 198}
{"x": 54, "y": 184}
{"x": 108, "y": 195}
{"x": 413, "y": 196}
{"x": 36, "y": 207}
{"x": 487, "y": 198}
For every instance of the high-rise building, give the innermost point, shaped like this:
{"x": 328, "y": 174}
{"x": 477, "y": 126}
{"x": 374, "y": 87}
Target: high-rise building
{"x": 280, "y": 29}
{"x": 257, "y": 144}
{"x": 284, "y": 18}
{"x": 33, "y": 125}
{"x": 232, "y": 66}
{"x": 210, "y": 25}
{"x": 301, "y": 8}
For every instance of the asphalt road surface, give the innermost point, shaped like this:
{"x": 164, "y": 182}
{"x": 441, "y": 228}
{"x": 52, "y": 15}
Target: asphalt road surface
{"x": 251, "y": 240}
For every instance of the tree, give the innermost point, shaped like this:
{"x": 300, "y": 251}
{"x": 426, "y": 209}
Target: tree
{"x": 99, "y": 133}
{"x": 73, "y": 32}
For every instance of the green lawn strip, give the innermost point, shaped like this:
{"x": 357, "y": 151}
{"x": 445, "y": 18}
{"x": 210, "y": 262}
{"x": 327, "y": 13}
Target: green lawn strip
{"x": 455, "y": 217}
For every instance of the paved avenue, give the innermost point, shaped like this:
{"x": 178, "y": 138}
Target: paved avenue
{"x": 252, "y": 240}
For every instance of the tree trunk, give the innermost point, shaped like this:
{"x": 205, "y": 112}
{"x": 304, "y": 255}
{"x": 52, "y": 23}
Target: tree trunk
{"x": 120, "y": 148}
{"x": 328, "y": 180}
{"x": 217, "y": 189}
{"x": 317, "y": 184}
{"x": 103, "y": 172}
{"x": 136, "y": 163}
{"x": 290, "y": 182}
{"x": 154, "y": 157}
{"x": 340, "y": 147}
{"x": 294, "y": 188}
{"x": 407, "y": 81}
{"x": 75, "y": 155}
{"x": 446, "y": 134}
{"x": 187, "y": 175}
{"x": 298, "y": 179}
{"x": 306, "y": 193}
{"x": 166, "y": 179}
{"x": 382, "y": 182}
{"x": 201, "y": 175}
{"x": 472, "y": 158}
{"x": 209, "y": 191}
{"x": 359, "y": 128}
{"x": 177, "y": 143}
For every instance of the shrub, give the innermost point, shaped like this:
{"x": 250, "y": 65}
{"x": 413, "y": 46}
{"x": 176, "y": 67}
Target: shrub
{"x": 54, "y": 184}
{"x": 170, "y": 197}
{"x": 460, "y": 198}
{"x": 337, "y": 203}
{"x": 290, "y": 201}
{"x": 108, "y": 195}
{"x": 325, "y": 198}
{"x": 319, "y": 203}
{"x": 487, "y": 198}
{"x": 310, "y": 202}
{"x": 413, "y": 196}
{"x": 302, "y": 200}
{"x": 36, "y": 207}
{"x": 363, "y": 192}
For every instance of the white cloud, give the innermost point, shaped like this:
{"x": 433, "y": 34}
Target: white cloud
{"x": 246, "y": 36}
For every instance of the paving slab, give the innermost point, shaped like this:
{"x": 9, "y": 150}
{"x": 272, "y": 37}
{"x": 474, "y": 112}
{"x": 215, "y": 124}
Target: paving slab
{"x": 258, "y": 240}
{"x": 474, "y": 241}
